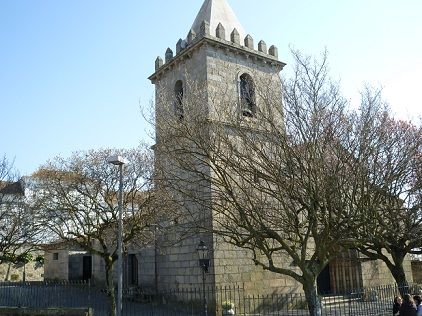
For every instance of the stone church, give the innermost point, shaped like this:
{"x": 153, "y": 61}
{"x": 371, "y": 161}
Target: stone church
{"x": 221, "y": 57}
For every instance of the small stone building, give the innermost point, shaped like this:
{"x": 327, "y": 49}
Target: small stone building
{"x": 68, "y": 262}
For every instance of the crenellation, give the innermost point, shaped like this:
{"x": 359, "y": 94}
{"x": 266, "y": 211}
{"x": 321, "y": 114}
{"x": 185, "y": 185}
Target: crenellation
{"x": 249, "y": 41}
{"x": 169, "y": 55}
{"x": 220, "y": 32}
{"x": 158, "y": 63}
{"x": 273, "y": 51}
{"x": 262, "y": 47}
{"x": 235, "y": 37}
{"x": 179, "y": 45}
{"x": 205, "y": 29}
{"x": 191, "y": 37}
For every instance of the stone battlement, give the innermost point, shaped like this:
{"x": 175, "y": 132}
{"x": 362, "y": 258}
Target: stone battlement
{"x": 220, "y": 35}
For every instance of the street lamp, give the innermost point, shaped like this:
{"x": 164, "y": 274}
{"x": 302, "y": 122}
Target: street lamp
{"x": 119, "y": 161}
{"x": 204, "y": 263}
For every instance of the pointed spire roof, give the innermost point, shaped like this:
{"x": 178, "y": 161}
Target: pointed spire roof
{"x": 218, "y": 11}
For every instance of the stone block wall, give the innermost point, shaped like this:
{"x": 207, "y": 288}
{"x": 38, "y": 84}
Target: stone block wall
{"x": 56, "y": 264}
{"x": 214, "y": 71}
{"x": 376, "y": 273}
{"x": 146, "y": 272}
{"x": 192, "y": 73}
{"x": 417, "y": 271}
{"x": 234, "y": 266}
{"x": 177, "y": 262}
{"x": 223, "y": 76}
{"x": 178, "y": 265}
{"x": 34, "y": 272}
{"x": 98, "y": 271}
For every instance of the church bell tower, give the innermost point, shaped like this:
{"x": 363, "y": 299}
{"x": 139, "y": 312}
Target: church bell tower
{"x": 221, "y": 59}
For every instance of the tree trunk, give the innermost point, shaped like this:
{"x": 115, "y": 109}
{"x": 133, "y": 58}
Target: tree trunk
{"x": 312, "y": 298}
{"x": 6, "y": 278}
{"x": 110, "y": 286}
{"x": 24, "y": 273}
{"x": 400, "y": 277}
{"x": 398, "y": 273}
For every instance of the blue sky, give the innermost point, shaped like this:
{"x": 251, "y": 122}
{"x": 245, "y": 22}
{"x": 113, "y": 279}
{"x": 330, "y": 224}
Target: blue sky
{"x": 74, "y": 72}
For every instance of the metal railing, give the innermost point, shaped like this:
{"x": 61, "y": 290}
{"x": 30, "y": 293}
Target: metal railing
{"x": 189, "y": 301}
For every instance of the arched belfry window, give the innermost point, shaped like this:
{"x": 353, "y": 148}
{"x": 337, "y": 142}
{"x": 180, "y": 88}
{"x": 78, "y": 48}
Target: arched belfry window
{"x": 247, "y": 95}
{"x": 178, "y": 104}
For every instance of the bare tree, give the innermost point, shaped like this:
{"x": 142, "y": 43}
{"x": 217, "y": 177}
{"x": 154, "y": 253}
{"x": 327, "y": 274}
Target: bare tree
{"x": 79, "y": 196}
{"x": 10, "y": 194}
{"x": 279, "y": 183}
{"x": 7, "y": 173}
{"x": 390, "y": 155}
{"x": 19, "y": 226}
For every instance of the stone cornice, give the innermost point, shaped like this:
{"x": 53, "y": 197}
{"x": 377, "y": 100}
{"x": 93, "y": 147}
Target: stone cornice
{"x": 218, "y": 43}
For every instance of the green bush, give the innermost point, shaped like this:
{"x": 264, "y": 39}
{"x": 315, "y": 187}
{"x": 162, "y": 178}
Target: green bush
{"x": 227, "y": 305}
{"x": 8, "y": 257}
{"x": 39, "y": 259}
{"x": 24, "y": 258}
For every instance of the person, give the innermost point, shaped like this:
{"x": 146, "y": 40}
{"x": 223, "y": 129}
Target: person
{"x": 396, "y": 305}
{"x": 418, "y": 301}
{"x": 407, "y": 307}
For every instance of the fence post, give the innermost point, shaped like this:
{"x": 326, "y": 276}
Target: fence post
{"x": 89, "y": 293}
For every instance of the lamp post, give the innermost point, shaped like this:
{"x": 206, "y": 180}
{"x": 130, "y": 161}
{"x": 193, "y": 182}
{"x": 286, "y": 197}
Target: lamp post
{"x": 204, "y": 263}
{"x": 119, "y": 161}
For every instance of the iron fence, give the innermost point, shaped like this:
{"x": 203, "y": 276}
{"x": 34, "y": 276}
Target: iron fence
{"x": 137, "y": 301}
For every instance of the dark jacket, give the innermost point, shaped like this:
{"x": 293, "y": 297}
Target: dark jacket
{"x": 396, "y": 308}
{"x": 407, "y": 309}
